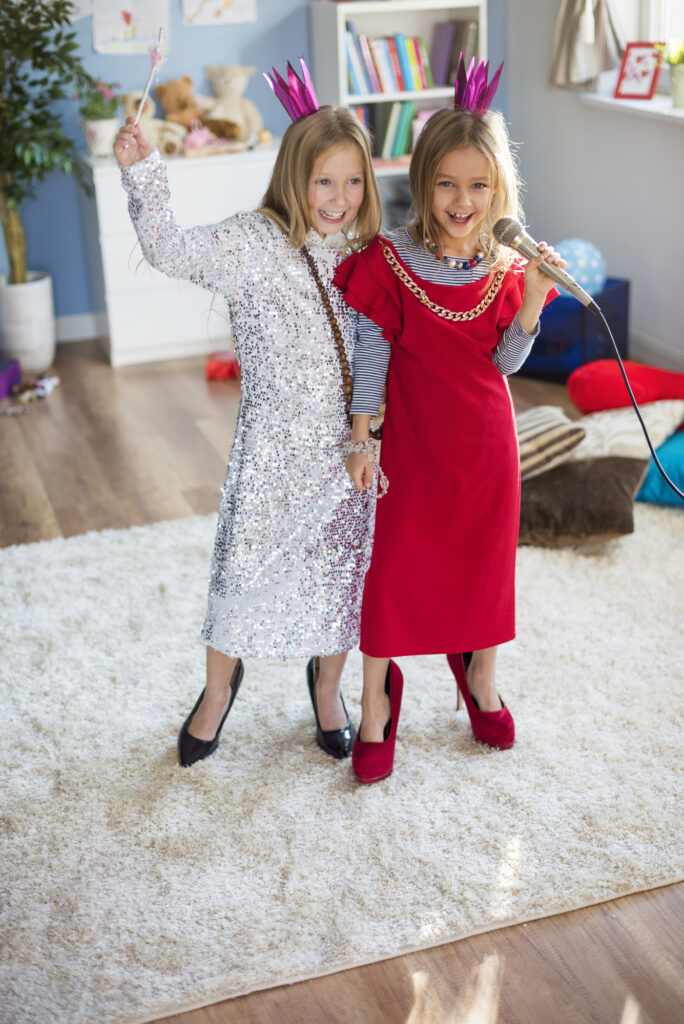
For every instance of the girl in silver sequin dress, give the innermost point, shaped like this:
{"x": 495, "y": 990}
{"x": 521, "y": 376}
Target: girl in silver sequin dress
{"x": 294, "y": 536}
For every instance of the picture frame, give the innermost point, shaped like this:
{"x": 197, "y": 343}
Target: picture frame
{"x": 639, "y": 71}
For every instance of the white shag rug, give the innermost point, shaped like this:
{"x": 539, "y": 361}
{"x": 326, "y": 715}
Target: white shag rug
{"x": 132, "y": 888}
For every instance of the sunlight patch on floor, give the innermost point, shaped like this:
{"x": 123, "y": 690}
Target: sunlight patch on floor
{"x": 507, "y": 881}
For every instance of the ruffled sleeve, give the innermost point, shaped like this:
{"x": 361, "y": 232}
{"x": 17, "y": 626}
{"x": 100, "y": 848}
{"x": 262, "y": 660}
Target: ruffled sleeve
{"x": 369, "y": 286}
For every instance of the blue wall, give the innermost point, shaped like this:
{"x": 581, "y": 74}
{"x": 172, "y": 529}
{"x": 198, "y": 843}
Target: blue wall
{"x": 52, "y": 222}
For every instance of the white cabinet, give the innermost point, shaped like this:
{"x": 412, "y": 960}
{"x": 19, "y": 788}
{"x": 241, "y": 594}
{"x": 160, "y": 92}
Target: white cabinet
{"x": 142, "y": 315}
{"x": 376, "y": 18}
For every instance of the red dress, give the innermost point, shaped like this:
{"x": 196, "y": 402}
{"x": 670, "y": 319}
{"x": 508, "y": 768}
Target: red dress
{"x": 442, "y": 573}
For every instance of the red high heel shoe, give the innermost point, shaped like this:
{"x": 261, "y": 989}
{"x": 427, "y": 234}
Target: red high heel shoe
{"x": 374, "y": 761}
{"x": 495, "y": 728}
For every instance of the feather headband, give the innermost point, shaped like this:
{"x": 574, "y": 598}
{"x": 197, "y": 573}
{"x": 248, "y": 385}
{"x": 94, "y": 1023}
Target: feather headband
{"x": 297, "y": 95}
{"x": 473, "y": 92}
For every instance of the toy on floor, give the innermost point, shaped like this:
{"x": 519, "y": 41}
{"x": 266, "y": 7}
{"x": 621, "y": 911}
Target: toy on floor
{"x": 599, "y": 385}
{"x": 222, "y": 366}
{"x": 41, "y": 387}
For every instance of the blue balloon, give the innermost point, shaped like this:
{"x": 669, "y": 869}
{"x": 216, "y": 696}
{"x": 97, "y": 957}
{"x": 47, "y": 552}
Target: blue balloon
{"x": 585, "y": 264}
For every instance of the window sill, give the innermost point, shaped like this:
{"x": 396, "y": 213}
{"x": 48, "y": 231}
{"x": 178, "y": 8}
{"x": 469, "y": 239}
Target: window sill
{"x": 659, "y": 108}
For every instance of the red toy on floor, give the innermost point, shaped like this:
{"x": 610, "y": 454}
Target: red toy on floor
{"x": 221, "y": 366}
{"x": 599, "y": 385}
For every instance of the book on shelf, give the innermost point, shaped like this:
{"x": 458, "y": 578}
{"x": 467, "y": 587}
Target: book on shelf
{"x": 363, "y": 113}
{"x": 443, "y": 36}
{"x": 359, "y": 60}
{"x": 465, "y": 43}
{"x": 424, "y": 62}
{"x": 382, "y": 64}
{"x": 402, "y": 83}
{"x": 370, "y": 66}
{"x": 414, "y": 61}
{"x": 419, "y": 123}
{"x": 449, "y": 40}
{"x": 396, "y": 63}
{"x": 356, "y": 79}
{"x": 407, "y": 71}
{"x": 402, "y": 138}
{"x": 391, "y": 130}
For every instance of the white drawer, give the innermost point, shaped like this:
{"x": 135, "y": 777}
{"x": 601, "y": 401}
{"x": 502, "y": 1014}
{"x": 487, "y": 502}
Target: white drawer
{"x": 160, "y": 319}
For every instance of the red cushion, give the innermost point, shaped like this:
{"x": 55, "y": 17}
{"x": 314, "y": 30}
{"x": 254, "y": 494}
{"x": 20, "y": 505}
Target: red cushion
{"x": 599, "y": 385}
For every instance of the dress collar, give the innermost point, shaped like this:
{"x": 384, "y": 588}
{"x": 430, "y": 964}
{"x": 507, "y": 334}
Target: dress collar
{"x": 335, "y": 241}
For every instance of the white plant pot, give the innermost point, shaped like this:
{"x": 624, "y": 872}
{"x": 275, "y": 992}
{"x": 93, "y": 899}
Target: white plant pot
{"x": 27, "y": 322}
{"x": 100, "y": 135}
{"x": 677, "y": 84}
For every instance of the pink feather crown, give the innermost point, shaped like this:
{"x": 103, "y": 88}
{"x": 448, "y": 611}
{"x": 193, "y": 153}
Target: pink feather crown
{"x": 473, "y": 91}
{"x": 297, "y": 95}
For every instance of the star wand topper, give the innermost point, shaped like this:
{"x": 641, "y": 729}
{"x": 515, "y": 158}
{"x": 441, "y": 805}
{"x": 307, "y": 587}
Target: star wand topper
{"x": 156, "y": 59}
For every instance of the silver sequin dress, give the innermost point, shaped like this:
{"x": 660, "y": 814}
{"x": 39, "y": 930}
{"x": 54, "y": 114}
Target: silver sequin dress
{"x": 294, "y": 536}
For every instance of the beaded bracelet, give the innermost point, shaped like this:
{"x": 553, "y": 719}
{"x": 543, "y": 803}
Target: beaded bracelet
{"x": 368, "y": 448}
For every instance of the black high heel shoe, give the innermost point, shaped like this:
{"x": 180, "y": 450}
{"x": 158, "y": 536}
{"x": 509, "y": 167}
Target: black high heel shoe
{"x": 336, "y": 742}
{"x": 190, "y": 748}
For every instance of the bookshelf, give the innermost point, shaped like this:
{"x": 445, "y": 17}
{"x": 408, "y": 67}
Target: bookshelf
{"x": 377, "y": 19}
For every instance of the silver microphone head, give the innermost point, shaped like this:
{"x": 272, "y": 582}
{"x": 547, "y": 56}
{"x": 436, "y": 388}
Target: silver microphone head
{"x": 507, "y": 230}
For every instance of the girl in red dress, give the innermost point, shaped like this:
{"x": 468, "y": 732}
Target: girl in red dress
{"x": 450, "y": 314}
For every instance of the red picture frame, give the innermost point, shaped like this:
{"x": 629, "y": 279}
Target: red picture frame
{"x": 639, "y": 72}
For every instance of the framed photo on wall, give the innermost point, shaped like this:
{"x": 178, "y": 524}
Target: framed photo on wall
{"x": 639, "y": 72}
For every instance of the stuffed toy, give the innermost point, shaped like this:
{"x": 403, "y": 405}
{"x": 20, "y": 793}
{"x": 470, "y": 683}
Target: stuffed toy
{"x": 180, "y": 104}
{"x": 233, "y": 116}
{"x": 599, "y": 385}
{"x": 167, "y": 136}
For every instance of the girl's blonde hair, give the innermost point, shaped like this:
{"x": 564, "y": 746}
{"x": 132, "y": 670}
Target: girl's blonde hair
{"x": 286, "y": 202}
{"x": 445, "y": 131}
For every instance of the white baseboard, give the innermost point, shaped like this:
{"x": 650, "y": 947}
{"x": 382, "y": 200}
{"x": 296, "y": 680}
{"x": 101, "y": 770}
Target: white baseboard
{"x": 643, "y": 349}
{"x": 81, "y": 326}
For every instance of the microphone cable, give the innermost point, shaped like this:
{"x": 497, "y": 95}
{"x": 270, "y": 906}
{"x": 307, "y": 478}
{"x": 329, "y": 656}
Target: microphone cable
{"x": 598, "y": 312}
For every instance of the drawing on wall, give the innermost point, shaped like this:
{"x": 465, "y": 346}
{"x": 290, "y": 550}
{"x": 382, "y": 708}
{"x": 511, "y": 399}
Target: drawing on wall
{"x": 218, "y": 12}
{"x": 130, "y": 26}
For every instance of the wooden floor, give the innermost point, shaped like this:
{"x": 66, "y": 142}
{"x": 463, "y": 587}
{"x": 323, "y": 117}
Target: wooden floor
{"x": 115, "y": 448}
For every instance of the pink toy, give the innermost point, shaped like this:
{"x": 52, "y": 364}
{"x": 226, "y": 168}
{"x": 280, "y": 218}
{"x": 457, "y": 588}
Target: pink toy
{"x": 156, "y": 59}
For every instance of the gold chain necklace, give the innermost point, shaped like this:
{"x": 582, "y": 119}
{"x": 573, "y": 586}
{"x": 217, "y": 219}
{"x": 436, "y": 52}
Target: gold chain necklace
{"x": 446, "y": 314}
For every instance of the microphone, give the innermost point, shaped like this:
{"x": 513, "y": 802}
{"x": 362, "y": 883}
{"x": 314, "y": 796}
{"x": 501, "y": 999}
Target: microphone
{"x": 510, "y": 231}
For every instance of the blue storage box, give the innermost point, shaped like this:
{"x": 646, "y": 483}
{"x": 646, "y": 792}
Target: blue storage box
{"x": 572, "y": 335}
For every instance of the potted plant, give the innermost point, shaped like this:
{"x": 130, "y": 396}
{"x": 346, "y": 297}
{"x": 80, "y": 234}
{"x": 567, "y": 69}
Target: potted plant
{"x": 98, "y": 106}
{"x": 673, "y": 55}
{"x": 39, "y": 67}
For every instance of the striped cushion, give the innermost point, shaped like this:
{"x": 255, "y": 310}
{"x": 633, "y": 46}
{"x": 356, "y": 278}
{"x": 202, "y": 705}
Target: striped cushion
{"x": 546, "y": 437}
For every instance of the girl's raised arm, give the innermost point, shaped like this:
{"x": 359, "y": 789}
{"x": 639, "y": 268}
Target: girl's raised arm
{"x": 208, "y": 255}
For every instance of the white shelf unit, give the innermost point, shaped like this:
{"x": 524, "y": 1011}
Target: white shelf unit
{"x": 142, "y": 315}
{"x": 376, "y": 18}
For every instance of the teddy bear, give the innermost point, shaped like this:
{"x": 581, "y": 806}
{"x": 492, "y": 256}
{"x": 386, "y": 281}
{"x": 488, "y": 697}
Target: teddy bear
{"x": 180, "y": 104}
{"x": 233, "y": 116}
{"x": 167, "y": 136}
